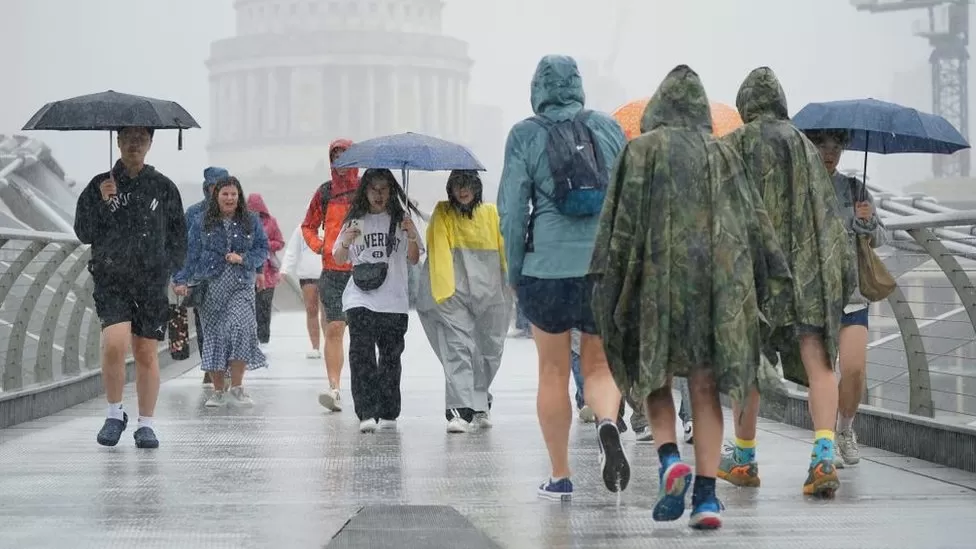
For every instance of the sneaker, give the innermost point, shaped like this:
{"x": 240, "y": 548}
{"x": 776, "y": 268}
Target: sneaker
{"x": 331, "y": 400}
{"x": 216, "y": 400}
{"x": 314, "y": 353}
{"x": 613, "y": 462}
{"x": 739, "y": 474}
{"x": 707, "y": 515}
{"x": 238, "y": 397}
{"x": 367, "y": 426}
{"x": 458, "y": 425}
{"x": 689, "y": 433}
{"x": 560, "y": 490}
{"x": 386, "y": 425}
{"x": 145, "y": 438}
{"x": 675, "y": 481}
{"x": 482, "y": 420}
{"x": 587, "y": 415}
{"x": 848, "y": 453}
{"x": 111, "y": 430}
{"x": 822, "y": 480}
{"x": 644, "y": 435}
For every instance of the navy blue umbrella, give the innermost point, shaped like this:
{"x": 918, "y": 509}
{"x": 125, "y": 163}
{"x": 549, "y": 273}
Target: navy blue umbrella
{"x": 882, "y": 127}
{"x": 409, "y": 151}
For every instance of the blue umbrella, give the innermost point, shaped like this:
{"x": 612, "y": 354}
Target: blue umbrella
{"x": 882, "y": 127}
{"x": 409, "y": 151}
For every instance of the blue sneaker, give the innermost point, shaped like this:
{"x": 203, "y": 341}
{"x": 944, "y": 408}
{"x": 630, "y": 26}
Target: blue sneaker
{"x": 613, "y": 462}
{"x": 145, "y": 438}
{"x": 675, "y": 482}
{"x": 560, "y": 490}
{"x": 111, "y": 430}
{"x": 707, "y": 515}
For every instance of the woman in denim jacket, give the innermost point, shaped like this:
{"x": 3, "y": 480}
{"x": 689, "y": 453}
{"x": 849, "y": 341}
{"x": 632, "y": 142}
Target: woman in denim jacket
{"x": 227, "y": 247}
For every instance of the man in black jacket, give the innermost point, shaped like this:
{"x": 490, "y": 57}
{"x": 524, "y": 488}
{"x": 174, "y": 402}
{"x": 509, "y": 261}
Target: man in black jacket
{"x": 133, "y": 219}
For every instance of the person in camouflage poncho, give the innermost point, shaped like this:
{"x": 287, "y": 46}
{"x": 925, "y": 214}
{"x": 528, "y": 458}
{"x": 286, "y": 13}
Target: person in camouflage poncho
{"x": 800, "y": 199}
{"x": 682, "y": 246}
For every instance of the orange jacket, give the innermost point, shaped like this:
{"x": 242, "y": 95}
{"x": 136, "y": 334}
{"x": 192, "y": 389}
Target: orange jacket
{"x": 330, "y": 222}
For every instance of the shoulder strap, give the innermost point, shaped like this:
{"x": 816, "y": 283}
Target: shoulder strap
{"x": 542, "y": 121}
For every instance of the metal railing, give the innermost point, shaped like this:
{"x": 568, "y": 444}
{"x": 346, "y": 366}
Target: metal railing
{"x": 48, "y": 327}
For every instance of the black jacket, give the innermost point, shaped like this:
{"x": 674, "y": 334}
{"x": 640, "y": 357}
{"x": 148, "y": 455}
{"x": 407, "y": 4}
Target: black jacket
{"x": 138, "y": 235}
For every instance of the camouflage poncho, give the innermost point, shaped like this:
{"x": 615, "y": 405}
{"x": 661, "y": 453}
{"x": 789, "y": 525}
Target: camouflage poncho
{"x": 799, "y": 197}
{"x": 682, "y": 245}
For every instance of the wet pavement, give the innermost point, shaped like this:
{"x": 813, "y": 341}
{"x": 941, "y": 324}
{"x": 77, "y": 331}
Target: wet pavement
{"x": 288, "y": 474}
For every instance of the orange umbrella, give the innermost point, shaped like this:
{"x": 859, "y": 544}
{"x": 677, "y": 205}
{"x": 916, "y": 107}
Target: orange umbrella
{"x": 725, "y": 119}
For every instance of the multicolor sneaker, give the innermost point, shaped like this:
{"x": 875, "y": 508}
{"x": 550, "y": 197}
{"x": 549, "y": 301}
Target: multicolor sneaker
{"x": 706, "y": 515}
{"x": 822, "y": 480}
{"x": 675, "y": 481}
{"x": 848, "y": 454}
{"x": 559, "y": 490}
{"x": 739, "y": 474}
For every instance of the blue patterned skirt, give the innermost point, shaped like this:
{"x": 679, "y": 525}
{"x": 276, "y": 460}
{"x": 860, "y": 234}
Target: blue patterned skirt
{"x": 230, "y": 329}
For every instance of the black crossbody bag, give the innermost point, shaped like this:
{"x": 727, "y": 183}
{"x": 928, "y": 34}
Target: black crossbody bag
{"x": 370, "y": 276}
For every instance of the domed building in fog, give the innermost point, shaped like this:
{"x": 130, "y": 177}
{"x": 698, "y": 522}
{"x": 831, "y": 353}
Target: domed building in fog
{"x": 300, "y": 73}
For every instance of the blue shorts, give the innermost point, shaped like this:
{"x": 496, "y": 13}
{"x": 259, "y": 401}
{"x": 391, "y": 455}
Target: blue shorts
{"x": 557, "y": 305}
{"x": 857, "y": 318}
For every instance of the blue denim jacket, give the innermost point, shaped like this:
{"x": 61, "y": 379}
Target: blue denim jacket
{"x": 205, "y": 258}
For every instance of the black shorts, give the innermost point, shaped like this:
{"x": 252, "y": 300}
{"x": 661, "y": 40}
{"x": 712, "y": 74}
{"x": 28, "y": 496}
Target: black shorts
{"x": 331, "y": 286}
{"x": 302, "y": 282}
{"x": 145, "y": 306}
{"x": 557, "y": 305}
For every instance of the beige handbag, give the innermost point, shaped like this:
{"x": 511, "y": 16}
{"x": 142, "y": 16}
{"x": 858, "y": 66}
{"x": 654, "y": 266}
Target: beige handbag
{"x": 873, "y": 278}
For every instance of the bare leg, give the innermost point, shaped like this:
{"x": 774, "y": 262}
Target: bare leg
{"x": 552, "y": 401}
{"x": 115, "y": 345}
{"x": 218, "y": 381}
{"x": 822, "y": 478}
{"x": 707, "y": 411}
{"x": 334, "y": 351}
{"x": 602, "y": 394}
{"x": 853, "y": 358}
{"x": 237, "y": 369}
{"x": 661, "y": 416}
{"x": 310, "y": 295}
{"x": 147, "y": 374}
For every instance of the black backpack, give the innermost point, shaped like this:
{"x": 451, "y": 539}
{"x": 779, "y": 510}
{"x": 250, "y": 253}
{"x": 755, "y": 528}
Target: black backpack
{"x": 325, "y": 193}
{"x": 578, "y": 169}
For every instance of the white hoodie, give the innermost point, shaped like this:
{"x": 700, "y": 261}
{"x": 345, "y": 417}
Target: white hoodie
{"x": 300, "y": 261}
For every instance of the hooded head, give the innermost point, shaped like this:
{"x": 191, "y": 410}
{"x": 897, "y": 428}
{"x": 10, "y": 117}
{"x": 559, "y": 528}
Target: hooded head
{"x": 761, "y": 96}
{"x": 557, "y": 84}
{"x": 343, "y": 179}
{"x": 255, "y": 203}
{"x": 679, "y": 102}
{"x": 210, "y": 177}
{"x": 464, "y": 191}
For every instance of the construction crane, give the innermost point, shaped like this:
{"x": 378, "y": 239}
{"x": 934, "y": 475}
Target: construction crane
{"x": 948, "y": 34}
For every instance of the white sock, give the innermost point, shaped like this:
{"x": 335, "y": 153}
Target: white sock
{"x": 844, "y": 423}
{"x": 115, "y": 411}
{"x": 145, "y": 422}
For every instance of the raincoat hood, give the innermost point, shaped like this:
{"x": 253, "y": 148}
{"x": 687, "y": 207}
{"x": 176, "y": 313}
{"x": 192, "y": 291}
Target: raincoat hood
{"x": 255, "y": 203}
{"x": 761, "y": 96}
{"x": 349, "y": 179}
{"x": 557, "y": 84}
{"x": 679, "y": 102}
{"x": 210, "y": 177}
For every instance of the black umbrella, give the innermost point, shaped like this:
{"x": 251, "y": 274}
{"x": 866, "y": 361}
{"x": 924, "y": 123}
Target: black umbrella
{"x": 111, "y": 111}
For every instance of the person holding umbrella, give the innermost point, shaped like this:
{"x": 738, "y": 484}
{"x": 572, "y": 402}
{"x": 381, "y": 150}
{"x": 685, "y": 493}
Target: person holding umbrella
{"x": 860, "y": 219}
{"x": 133, "y": 219}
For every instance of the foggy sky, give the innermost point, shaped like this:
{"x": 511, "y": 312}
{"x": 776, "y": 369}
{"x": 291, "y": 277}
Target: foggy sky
{"x": 821, "y": 49}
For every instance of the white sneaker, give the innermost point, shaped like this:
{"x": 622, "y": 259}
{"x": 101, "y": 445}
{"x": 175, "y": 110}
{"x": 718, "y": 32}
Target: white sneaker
{"x": 331, "y": 400}
{"x": 216, "y": 400}
{"x": 387, "y": 425}
{"x": 314, "y": 353}
{"x": 367, "y": 426}
{"x": 482, "y": 420}
{"x": 238, "y": 397}
{"x": 689, "y": 433}
{"x": 847, "y": 452}
{"x": 458, "y": 425}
